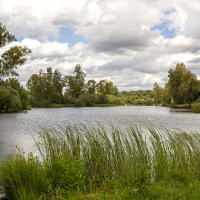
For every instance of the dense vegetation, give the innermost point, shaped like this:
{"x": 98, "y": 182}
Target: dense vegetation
{"x": 46, "y": 88}
{"x": 13, "y": 97}
{"x": 181, "y": 88}
{"x": 139, "y": 97}
{"x": 92, "y": 162}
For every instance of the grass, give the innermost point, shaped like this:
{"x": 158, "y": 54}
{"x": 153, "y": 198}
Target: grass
{"x": 94, "y": 162}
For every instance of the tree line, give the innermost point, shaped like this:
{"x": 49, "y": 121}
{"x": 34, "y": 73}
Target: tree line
{"x": 51, "y": 88}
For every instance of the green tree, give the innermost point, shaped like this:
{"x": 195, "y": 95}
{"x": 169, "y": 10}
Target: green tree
{"x": 23, "y": 93}
{"x": 104, "y": 87}
{"x": 175, "y": 81}
{"x": 13, "y": 97}
{"x": 13, "y": 57}
{"x": 75, "y": 84}
{"x": 157, "y": 93}
{"x": 9, "y": 100}
{"x": 183, "y": 84}
{"x": 57, "y": 84}
{"x": 111, "y": 89}
{"x": 91, "y": 86}
{"x": 190, "y": 87}
{"x": 35, "y": 87}
{"x": 166, "y": 98}
{"x": 101, "y": 87}
{"x": 46, "y": 87}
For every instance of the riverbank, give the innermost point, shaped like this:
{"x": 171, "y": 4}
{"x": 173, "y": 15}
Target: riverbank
{"x": 94, "y": 162}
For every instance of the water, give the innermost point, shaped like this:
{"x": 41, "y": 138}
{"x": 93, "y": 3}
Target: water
{"x": 16, "y": 128}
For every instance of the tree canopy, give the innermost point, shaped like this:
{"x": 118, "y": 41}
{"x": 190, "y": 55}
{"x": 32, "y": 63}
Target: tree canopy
{"x": 13, "y": 97}
{"x": 183, "y": 84}
{"x": 181, "y": 88}
{"x": 13, "y": 57}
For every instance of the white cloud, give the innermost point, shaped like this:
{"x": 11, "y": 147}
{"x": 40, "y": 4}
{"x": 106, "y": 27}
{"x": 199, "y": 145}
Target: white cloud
{"x": 123, "y": 48}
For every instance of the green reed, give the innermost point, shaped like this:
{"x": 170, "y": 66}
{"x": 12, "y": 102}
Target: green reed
{"x": 88, "y": 157}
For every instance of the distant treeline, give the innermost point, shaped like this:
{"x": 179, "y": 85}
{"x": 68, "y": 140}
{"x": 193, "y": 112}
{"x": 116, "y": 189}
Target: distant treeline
{"x": 49, "y": 88}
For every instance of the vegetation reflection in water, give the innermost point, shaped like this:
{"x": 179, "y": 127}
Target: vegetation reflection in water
{"x": 94, "y": 162}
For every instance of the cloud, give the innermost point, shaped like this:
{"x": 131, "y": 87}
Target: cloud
{"x": 64, "y": 21}
{"x": 123, "y": 47}
{"x": 194, "y": 60}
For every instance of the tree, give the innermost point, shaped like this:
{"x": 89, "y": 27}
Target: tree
{"x": 13, "y": 97}
{"x": 9, "y": 100}
{"x": 46, "y": 87}
{"x": 183, "y": 84}
{"x": 104, "y": 88}
{"x": 57, "y": 84}
{"x": 13, "y": 57}
{"x": 190, "y": 87}
{"x": 91, "y": 86}
{"x": 101, "y": 87}
{"x": 157, "y": 93}
{"x": 111, "y": 89}
{"x": 75, "y": 84}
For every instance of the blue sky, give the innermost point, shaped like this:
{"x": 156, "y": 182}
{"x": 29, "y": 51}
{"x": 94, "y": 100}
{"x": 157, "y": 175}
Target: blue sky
{"x": 164, "y": 26}
{"x": 165, "y": 31}
{"x": 67, "y": 35}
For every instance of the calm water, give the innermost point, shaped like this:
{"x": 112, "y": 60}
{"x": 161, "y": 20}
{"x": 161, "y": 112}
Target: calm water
{"x": 15, "y": 128}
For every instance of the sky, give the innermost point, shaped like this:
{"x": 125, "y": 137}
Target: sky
{"x": 132, "y": 43}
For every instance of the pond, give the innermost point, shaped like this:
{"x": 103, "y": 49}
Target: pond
{"x": 16, "y": 128}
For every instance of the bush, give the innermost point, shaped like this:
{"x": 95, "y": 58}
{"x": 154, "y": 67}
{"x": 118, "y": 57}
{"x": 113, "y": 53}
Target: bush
{"x": 102, "y": 99}
{"x": 9, "y": 100}
{"x": 24, "y": 99}
{"x": 196, "y": 107}
{"x": 69, "y": 99}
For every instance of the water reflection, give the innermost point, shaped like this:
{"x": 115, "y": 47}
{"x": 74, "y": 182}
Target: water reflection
{"x": 15, "y": 128}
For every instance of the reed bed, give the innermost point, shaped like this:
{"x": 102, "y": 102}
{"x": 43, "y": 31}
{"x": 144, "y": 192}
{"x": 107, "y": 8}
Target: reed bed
{"x": 83, "y": 159}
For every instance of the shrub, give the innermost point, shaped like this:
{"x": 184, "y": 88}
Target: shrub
{"x": 9, "y": 100}
{"x": 196, "y": 107}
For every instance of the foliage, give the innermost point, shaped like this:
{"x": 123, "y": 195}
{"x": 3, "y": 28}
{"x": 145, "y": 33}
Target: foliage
{"x": 139, "y": 97}
{"x": 183, "y": 85}
{"x": 196, "y": 107}
{"x": 13, "y": 57}
{"x": 22, "y": 176}
{"x": 181, "y": 88}
{"x": 46, "y": 88}
{"x": 87, "y": 100}
{"x": 75, "y": 84}
{"x": 91, "y": 86}
{"x": 157, "y": 93}
{"x": 92, "y": 162}
{"x": 13, "y": 97}
{"x": 9, "y": 100}
{"x": 104, "y": 88}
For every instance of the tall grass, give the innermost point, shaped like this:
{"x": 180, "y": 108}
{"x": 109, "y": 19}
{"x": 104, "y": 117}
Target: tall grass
{"x": 88, "y": 157}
